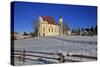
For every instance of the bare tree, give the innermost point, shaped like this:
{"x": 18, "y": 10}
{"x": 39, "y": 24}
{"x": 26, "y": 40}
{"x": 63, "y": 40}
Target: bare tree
{"x": 65, "y": 28}
{"x": 35, "y": 27}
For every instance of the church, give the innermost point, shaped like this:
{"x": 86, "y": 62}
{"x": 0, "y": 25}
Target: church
{"x": 47, "y": 26}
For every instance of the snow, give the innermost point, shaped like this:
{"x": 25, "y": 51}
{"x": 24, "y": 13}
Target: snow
{"x": 56, "y": 44}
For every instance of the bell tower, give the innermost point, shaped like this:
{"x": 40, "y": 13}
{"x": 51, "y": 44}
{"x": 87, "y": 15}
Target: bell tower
{"x": 60, "y": 25}
{"x": 60, "y": 20}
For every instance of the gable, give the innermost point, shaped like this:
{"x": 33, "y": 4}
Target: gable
{"x": 49, "y": 19}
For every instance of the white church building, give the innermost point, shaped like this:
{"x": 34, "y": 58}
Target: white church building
{"x": 48, "y": 27}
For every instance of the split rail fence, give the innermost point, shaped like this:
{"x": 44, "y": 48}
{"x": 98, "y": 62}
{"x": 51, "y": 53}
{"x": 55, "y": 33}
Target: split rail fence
{"x": 23, "y": 54}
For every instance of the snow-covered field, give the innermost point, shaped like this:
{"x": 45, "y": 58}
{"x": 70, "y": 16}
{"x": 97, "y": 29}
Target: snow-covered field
{"x": 82, "y": 45}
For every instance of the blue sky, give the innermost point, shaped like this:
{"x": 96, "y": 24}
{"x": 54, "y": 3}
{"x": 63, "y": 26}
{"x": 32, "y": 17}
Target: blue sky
{"x": 27, "y": 13}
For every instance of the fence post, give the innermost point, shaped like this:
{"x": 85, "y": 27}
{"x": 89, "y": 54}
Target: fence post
{"x": 67, "y": 56}
{"x": 61, "y": 58}
{"x": 22, "y": 55}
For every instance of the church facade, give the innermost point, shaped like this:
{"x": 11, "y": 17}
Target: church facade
{"x": 48, "y": 27}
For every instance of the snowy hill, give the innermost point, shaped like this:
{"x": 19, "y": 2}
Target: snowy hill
{"x": 80, "y": 45}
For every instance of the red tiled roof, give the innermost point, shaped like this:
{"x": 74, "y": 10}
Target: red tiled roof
{"x": 49, "y": 19}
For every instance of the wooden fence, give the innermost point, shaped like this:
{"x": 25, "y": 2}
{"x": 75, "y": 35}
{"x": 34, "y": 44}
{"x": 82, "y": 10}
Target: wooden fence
{"x": 23, "y": 54}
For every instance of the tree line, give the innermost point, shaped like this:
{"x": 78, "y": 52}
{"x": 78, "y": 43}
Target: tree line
{"x": 85, "y": 31}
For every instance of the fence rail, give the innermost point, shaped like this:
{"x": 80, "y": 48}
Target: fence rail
{"x": 83, "y": 56}
{"x": 24, "y": 55}
{"x": 37, "y": 52}
{"x": 76, "y": 41}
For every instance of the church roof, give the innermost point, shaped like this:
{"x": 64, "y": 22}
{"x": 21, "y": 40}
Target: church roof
{"x": 49, "y": 19}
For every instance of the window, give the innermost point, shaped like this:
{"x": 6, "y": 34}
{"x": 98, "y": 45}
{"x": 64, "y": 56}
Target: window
{"x": 49, "y": 29}
{"x": 52, "y": 29}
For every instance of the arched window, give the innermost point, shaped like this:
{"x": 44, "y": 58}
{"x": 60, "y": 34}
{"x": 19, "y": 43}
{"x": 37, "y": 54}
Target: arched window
{"x": 49, "y": 29}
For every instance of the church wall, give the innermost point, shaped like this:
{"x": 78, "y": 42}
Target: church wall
{"x": 53, "y": 29}
{"x": 49, "y": 29}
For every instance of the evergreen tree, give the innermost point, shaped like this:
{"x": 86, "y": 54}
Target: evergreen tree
{"x": 96, "y": 29}
{"x": 82, "y": 29}
{"x": 92, "y": 29}
{"x": 32, "y": 34}
{"x": 25, "y": 34}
